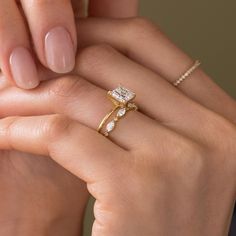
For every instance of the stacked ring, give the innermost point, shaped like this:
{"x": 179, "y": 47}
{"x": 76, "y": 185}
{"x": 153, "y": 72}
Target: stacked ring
{"x": 122, "y": 100}
{"x": 187, "y": 73}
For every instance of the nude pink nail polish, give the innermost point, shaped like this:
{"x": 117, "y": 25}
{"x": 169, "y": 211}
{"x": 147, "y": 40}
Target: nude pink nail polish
{"x": 59, "y": 50}
{"x": 23, "y": 68}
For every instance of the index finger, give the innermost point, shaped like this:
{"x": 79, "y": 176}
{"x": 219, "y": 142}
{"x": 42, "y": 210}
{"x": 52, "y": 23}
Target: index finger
{"x": 53, "y": 31}
{"x": 74, "y": 146}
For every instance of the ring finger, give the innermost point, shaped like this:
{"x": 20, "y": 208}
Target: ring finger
{"x": 79, "y": 100}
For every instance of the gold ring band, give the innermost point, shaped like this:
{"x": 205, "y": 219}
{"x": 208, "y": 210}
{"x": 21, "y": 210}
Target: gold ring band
{"x": 122, "y": 100}
{"x": 105, "y": 119}
{"x": 187, "y": 73}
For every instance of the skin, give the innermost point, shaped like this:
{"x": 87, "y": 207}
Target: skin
{"x": 27, "y": 23}
{"x": 168, "y": 169}
{"x": 33, "y": 180}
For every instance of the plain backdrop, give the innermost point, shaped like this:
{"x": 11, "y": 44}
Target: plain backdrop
{"x": 205, "y": 29}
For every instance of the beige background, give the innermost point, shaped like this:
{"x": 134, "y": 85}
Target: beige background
{"x": 206, "y": 30}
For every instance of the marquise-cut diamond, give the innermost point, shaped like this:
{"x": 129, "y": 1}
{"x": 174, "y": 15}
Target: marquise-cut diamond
{"x": 122, "y": 95}
{"x": 110, "y": 126}
{"x": 121, "y": 112}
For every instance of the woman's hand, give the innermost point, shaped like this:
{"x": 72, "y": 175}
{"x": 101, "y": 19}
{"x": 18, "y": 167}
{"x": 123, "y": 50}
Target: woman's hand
{"x": 168, "y": 169}
{"x": 46, "y": 29}
{"x": 38, "y": 197}
{"x": 32, "y": 181}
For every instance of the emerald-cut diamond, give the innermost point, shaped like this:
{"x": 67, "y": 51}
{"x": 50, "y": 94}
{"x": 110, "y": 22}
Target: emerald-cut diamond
{"x": 122, "y": 95}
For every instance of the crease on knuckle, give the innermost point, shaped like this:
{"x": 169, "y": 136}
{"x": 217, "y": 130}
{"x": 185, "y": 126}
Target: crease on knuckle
{"x": 56, "y": 128}
{"x": 190, "y": 158}
{"x": 224, "y": 139}
{"x": 68, "y": 89}
{"x": 140, "y": 28}
{"x": 8, "y": 130}
{"x": 222, "y": 133}
{"x": 180, "y": 157}
{"x": 94, "y": 57}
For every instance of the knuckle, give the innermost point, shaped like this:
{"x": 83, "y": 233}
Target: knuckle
{"x": 221, "y": 133}
{"x": 190, "y": 158}
{"x": 93, "y": 56}
{"x": 223, "y": 139}
{"x": 7, "y": 128}
{"x": 68, "y": 88}
{"x": 96, "y": 50}
{"x": 140, "y": 26}
{"x": 183, "y": 158}
{"x": 56, "y": 127}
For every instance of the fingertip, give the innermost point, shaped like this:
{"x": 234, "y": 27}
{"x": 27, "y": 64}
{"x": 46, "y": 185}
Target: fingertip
{"x": 23, "y": 68}
{"x": 59, "y": 50}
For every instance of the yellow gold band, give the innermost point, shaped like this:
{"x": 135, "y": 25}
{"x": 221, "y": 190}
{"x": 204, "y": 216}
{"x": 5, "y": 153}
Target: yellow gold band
{"x": 105, "y": 119}
{"x": 187, "y": 73}
{"x": 117, "y": 113}
{"x": 122, "y": 100}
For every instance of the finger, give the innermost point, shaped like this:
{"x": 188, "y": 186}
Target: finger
{"x": 53, "y": 33}
{"x": 79, "y": 100}
{"x": 79, "y": 7}
{"x": 155, "y": 51}
{"x": 156, "y": 98}
{"x": 4, "y": 82}
{"x": 77, "y": 148}
{"x": 16, "y": 59}
{"x": 113, "y": 8}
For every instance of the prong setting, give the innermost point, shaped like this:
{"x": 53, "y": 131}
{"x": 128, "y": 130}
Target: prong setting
{"x": 121, "y": 95}
{"x": 122, "y": 99}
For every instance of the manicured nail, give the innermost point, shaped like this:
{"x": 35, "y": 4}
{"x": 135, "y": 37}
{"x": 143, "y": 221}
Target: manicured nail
{"x": 59, "y": 50}
{"x": 23, "y": 68}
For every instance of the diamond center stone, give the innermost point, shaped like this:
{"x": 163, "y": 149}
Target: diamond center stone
{"x": 122, "y": 95}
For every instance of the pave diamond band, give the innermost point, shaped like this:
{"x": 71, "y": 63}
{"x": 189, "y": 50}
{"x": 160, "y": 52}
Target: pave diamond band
{"x": 187, "y": 73}
{"x": 122, "y": 100}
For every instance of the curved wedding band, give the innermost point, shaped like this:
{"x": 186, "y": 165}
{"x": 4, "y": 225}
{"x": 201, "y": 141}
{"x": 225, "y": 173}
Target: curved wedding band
{"x": 122, "y": 100}
{"x": 187, "y": 74}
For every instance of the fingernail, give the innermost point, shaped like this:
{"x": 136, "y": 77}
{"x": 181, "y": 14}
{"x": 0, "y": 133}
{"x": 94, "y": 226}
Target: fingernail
{"x": 59, "y": 50}
{"x": 23, "y": 68}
